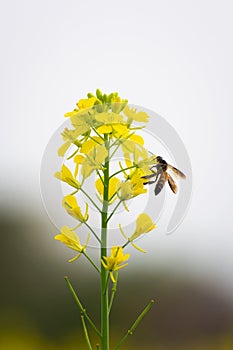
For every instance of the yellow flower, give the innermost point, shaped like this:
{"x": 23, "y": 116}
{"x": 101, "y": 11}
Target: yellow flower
{"x": 89, "y": 144}
{"x": 132, "y": 114}
{"x": 112, "y": 123}
{"x": 78, "y": 160}
{"x": 114, "y": 261}
{"x": 94, "y": 160}
{"x": 69, "y": 136}
{"x": 65, "y": 175}
{"x": 70, "y": 204}
{"x": 86, "y": 102}
{"x": 134, "y": 184}
{"x": 144, "y": 224}
{"x": 71, "y": 240}
{"x": 125, "y": 191}
{"x": 82, "y": 104}
{"x": 137, "y": 182}
{"x": 80, "y": 123}
{"x": 113, "y": 185}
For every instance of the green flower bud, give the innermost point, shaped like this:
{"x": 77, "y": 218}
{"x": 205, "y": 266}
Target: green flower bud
{"x": 99, "y": 94}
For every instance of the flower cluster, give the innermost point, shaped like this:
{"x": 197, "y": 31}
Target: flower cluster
{"x": 103, "y": 125}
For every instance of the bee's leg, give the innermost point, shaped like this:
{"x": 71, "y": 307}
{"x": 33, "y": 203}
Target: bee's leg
{"x": 149, "y": 176}
{"x": 149, "y": 182}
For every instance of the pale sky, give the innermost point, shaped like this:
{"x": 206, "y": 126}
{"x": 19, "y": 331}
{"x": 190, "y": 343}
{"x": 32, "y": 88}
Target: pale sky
{"x": 173, "y": 57}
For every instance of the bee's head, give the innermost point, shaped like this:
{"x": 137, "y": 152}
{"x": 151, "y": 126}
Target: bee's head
{"x": 160, "y": 159}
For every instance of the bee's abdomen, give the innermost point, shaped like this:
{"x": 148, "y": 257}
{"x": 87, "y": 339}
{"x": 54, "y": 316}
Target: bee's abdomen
{"x": 160, "y": 184}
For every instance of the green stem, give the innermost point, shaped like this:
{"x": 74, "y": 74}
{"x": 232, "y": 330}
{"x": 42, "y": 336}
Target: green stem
{"x": 92, "y": 138}
{"x": 82, "y": 309}
{"x": 104, "y": 272}
{"x": 98, "y": 134}
{"x": 125, "y": 244}
{"x": 73, "y": 154}
{"x": 117, "y": 140}
{"x": 86, "y": 333}
{"x": 120, "y": 171}
{"x": 114, "y": 289}
{"x": 113, "y": 212}
{"x": 90, "y": 199}
{"x": 91, "y": 229}
{"x": 73, "y": 192}
{"x": 112, "y": 196}
{"x": 100, "y": 176}
{"x": 91, "y": 261}
{"x": 115, "y": 150}
{"x": 138, "y": 320}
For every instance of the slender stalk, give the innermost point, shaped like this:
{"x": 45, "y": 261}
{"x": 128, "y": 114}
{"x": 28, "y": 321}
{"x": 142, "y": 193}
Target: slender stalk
{"x": 100, "y": 176}
{"x": 86, "y": 333}
{"x": 82, "y": 309}
{"x": 92, "y": 138}
{"x": 91, "y": 261}
{"x": 98, "y": 134}
{"x": 114, "y": 289}
{"x": 74, "y": 192}
{"x": 120, "y": 171}
{"x": 73, "y": 154}
{"x": 91, "y": 229}
{"x": 113, "y": 212}
{"x": 90, "y": 199}
{"x": 138, "y": 320}
{"x": 104, "y": 273}
{"x": 125, "y": 244}
{"x": 115, "y": 150}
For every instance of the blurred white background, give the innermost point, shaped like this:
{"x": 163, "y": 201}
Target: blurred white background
{"x": 174, "y": 57}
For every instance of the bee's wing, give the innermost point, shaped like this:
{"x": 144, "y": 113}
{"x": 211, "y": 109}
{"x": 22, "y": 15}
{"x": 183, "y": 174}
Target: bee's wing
{"x": 172, "y": 183}
{"x": 177, "y": 172}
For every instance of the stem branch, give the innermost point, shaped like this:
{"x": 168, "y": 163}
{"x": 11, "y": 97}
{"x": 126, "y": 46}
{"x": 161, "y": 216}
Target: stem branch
{"x": 82, "y": 309}
{"x": 131, "y": 330}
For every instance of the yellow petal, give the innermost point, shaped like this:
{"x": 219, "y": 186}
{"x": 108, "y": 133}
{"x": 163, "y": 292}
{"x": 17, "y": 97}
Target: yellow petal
{"x": 138, "y": 139}
{"x": 99, "y": 186}
{"x": 79, "y": 159}
{"x": 87, "y": 146}
{"x": 62, "y": 150}
{"x": 104, "y": 129}
{"x": 86, "y": 103}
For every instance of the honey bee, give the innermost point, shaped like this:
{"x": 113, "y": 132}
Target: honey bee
{"x": 162, "y": 176}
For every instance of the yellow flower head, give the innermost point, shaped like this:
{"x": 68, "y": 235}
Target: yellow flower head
{"x": 66, "y": 176}
{"x": 82, "y": 104}
{"x": 125, "y": 190}
{"x": 70, "y": 137}
{"x": 137, "y": 182}
{"x": 144, "y": 224}
{"x": 132, "y": 114}
{"x": 71, "y": 240}
{"x": 111, "y": 123}
{"x": 114, "y": 261}
{"x": 94, "y": 160}
{"x": 71, "y": 206}
{"x": 86, "y": 103}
